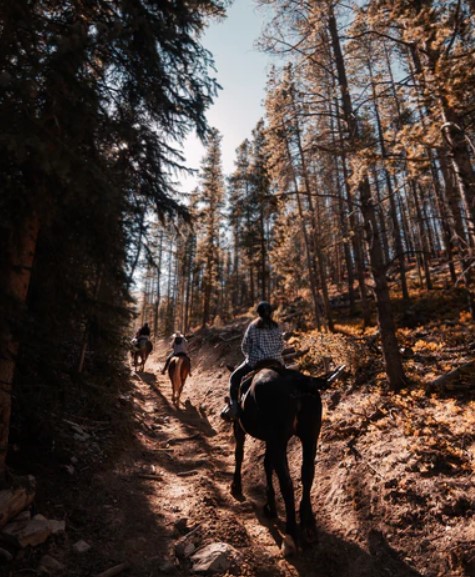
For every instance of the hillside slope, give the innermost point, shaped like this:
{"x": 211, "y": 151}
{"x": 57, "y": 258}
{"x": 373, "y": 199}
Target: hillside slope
{"x": 393, "y": 491}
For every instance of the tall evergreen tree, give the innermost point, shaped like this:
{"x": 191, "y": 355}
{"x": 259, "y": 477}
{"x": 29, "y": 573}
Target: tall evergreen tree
{"x": 211, "y": 199}
{"x": 92, "y": 95}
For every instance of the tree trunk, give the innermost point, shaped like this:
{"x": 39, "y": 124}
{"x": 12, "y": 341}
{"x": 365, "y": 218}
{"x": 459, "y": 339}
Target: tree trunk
{"x": 310, "y": 264}
{"x": 391, "y": 193}
{"x": 422, "y": 234}
{"x": 459, "y": 156}
{"x": 357, "y": 241}
{"x": 318, "y": 253}
{"x": 392, "y": 357}
{"x": 158, "y": 270}
{"x": 16, "y": 282}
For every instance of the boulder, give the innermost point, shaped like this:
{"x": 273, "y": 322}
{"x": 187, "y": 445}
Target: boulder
{"x": 213, "y": 558}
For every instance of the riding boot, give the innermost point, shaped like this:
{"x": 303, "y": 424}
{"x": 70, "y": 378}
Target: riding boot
{"x": 231, "y": 410}
{"x": 167, "y": 362}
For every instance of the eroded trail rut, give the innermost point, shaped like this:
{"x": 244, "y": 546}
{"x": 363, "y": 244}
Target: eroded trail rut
{"x": 186, "y": 461}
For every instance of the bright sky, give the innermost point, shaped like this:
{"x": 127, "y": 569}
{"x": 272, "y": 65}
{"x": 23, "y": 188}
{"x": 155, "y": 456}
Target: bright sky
{"x": 242, "y": 72}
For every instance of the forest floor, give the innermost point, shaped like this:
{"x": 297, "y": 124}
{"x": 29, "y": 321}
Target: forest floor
{"x": 393, "y": 492}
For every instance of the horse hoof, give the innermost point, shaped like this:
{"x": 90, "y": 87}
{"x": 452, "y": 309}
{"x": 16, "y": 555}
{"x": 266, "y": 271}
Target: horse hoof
{"x": 288, "y": 546}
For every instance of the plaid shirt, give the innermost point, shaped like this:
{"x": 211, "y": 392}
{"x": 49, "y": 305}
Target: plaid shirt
{"x": 259, "y": 344}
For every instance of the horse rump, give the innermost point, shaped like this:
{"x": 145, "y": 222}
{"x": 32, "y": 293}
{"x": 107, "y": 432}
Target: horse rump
{"x": 178, "y": 371}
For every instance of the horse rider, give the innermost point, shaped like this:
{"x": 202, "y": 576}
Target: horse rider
{"x": 143, "y": 333}
{"x": 263, "y": 339}
{"x": 179, "y": 346}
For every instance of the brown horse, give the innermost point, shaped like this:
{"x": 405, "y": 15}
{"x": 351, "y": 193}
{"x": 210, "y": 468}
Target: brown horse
{"x": 178, "y": 371}
{"x": 140, "y": 352}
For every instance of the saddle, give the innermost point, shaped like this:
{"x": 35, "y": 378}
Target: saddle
{"x": 262, "y": 364}
{"x": 181, "y": 354}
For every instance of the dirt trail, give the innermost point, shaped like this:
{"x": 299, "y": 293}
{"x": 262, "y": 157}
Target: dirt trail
{"x": 176, "y": 477}
{"x": 381, "y": 509}
{"x": 191, "y": 450}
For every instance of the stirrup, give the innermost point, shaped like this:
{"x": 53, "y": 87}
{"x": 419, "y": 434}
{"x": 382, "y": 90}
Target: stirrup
{"x": 230, "y": 411}
{"x": 226, "y": 414}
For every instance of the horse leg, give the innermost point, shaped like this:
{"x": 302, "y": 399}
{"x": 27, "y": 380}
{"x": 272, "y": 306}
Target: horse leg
{"x": 183, "y": 376}
{"x": 175, "y": 387}
{"x": 142, "y": 357}
{"x": 239, "y": 438}
{"x": 269, "y": 507}
{"x": 179, "y": 388}
{"x": 307, "y": 518}
{"x": 279, "y": 455}
{"x": 172, "y": 377}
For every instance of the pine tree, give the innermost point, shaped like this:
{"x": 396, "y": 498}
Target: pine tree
{"x": 211, "y": 199}
{"x": 92, "y": 95}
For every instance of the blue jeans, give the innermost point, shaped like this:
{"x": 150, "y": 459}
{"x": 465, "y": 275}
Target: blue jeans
{"x": 236, "y": 377}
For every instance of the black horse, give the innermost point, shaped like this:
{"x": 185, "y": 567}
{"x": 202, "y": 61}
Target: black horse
{"x": 140, "y": 350}
{"x": 279, "y": 404}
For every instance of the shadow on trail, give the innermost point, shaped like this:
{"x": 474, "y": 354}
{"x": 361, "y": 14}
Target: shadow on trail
{"x": 180, "y": 435}
{"x": 334, "y": 556}
{"x": 194, "y": 417}
{"x": 337, "y": 557}
{"x": 189, "y": 415}
{"x": 103, "y": 498}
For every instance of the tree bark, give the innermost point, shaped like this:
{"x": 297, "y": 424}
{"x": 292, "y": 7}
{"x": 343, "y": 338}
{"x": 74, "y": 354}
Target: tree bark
{"x": 16, "y": 282}
{"x": 310, "y": 265}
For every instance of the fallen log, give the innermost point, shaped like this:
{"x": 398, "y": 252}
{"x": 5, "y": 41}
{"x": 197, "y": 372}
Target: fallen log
{"x": 187, "y": 473}
{"x": 461, "y": 378}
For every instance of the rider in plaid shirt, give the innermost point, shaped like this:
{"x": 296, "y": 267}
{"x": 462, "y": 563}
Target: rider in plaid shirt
{"x": 262, "y": 340}
{"x": 262, "y": 343}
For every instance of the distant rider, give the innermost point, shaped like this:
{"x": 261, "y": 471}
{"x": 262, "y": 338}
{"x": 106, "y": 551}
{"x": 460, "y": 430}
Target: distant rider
{"x": 143, "y": 334}
{"x": 179, "y": 346}
{"x": 143, "y": 331}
